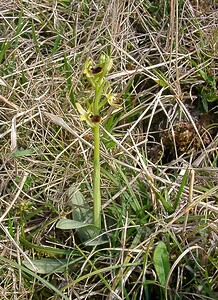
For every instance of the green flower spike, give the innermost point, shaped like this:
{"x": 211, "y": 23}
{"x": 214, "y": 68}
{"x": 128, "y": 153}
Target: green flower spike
{"x": 95, "y": 74}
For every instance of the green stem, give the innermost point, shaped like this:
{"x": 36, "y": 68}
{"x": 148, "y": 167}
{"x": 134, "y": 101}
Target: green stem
{"x": 96, "y": 181}
{"x": 98, "y": 94}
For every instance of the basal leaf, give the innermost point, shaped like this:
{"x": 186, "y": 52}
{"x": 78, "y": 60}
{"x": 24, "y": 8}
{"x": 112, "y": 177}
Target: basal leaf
{"x": 82, "y": 217}
{"x": 47, "y": 265}
{"x": 161, "y": 262}
{"x": 25, "y": 152}
{"x": 71, "y": 224}
{"x": 92, "y": 236}
{"x": 88, "y": 233}
{"x": 81, "y": 210}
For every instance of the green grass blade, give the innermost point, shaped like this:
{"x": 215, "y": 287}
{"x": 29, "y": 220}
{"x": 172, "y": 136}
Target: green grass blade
{"x": 181, "y": 188}
{"x": 56, "y": 44}
{"x": 165, "y": 203}
{"x": 35, "y": 39}
{"x": 134, "y": 201}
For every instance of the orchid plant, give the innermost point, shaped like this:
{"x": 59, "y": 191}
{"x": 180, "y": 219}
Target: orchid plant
{"x": 96, "y": 76}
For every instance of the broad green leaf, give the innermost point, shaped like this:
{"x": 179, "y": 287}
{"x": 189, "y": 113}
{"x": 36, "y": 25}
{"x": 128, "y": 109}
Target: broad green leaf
{"x": 47, "y": 265}
{"x": 71, "y": 224}
{"x": 20, "y": 153}
{"x": 161, "y": 262}
{"x": 81, "y": 210}
{"x": 34, "y": 275}
{"x": 88, "y": 234}
{"x": 91, "y": 236}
